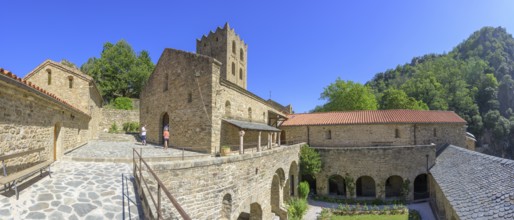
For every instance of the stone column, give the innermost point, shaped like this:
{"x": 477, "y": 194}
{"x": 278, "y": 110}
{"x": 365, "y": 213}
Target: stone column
{"x": 259, "y": 142}
{"x": 241, "y": 137}
{"x": 269, "y": 140}
{"x": 279, "y": 143}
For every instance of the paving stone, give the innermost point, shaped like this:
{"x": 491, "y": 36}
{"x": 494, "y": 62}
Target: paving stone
{"x": 45, "y": 197}
{"x": 64, "y": 208}
{"x": 39, "y": 206}
{"x": 56, "y": 216}
{"x": 36, "y": 215}
{"x": 5, "y": 212}
{"x": 83, "y": 208}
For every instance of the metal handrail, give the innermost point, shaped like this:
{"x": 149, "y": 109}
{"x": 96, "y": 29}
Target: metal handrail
{"x": 160, "y": 186}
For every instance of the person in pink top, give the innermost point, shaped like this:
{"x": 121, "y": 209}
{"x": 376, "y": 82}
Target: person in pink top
{"x": 166, "y": 135}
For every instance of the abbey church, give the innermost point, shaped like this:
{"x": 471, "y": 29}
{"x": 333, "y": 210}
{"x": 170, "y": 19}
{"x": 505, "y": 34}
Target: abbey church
{"x": 202, "y": 98}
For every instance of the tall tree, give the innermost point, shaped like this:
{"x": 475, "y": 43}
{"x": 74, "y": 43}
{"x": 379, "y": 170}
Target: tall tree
{"x": 397, "y": 99}
{"x": 119, "y": 71}
{"x": 347, "y": 96}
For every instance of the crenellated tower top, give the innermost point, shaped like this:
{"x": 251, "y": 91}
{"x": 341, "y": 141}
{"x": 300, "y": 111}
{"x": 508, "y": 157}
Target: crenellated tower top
{"x": 227, "y": 47}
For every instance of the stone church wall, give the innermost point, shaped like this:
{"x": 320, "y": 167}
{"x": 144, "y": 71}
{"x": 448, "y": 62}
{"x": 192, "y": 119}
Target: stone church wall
{"x": 377, "y": 162}
{"x": 200, "y": 185}
{"x": 377, "y": 135}
{"x": 27, "y": 121}
{"x": 181, "y": 87}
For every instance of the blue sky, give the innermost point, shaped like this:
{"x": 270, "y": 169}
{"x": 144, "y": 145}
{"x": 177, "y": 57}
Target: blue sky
{"x": 295, "y": 48}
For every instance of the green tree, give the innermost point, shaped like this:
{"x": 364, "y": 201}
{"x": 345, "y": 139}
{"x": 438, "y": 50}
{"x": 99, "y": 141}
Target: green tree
{"x": 68, "y": 64}
{"x": 426, "y": 87}
{"x": 347, "y": 96}
{"x": 310, "y": 161}
{"x": 119, "y": 72}
{"x": 397, "y": 99}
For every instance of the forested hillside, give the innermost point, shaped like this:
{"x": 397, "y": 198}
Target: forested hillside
{"x": 474, "y": 80}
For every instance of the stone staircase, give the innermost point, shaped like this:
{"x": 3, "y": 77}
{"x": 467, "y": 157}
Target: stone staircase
{"x": 122, "y": 137}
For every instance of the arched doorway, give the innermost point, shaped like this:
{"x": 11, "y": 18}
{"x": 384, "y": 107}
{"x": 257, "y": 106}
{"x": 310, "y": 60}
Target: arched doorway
{"x": 336, "y": 185}
{"x": 293, "y": 176}
{"x": 421, "y": 187}
{"x": 255, "y": 211}
{"x": 393, "y": 186}
{"x": 226, "y": 206}
{"x": 311, "y": 181}
{"x": 165, "y": 121}
{"x": 57, "y": 147}
{"x": 277, "y": 185}
{"x": 365, "y": 186}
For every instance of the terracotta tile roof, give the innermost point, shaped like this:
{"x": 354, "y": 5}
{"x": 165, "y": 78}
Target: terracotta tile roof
{"x": 29, "y": 85}
{"x": 373, "y": 117}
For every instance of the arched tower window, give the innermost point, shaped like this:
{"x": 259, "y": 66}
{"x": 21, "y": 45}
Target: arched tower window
{"x": 250, "y": 114}
{"x": 240, "y": 73}
{"x": 241, "y": 54}
{"x": 234, "y": 46}
{"x": 165, "y": 82}
{"x": 233, "y": 69}
{"x": 397, "y": 133}
{"x": 70, "y": 82}
{"x": 49, "y": 76}
{"x": 227, "y": 109}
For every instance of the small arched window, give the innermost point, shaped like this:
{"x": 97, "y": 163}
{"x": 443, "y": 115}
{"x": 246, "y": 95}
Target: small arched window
{"x": 189, "y": 97}
{"x": 250, "y": 114}
{"x": 240, "y": 73}
{"x": 165, "y": 82}
{"x": 49, "y": 76}
{"x": 397, "y": 133}
{"x": 241, "y": 54}
{"x": 70, "y": 82}
{"x": 328, "y": 135}
{"x": 234, "y": 47}
{"x": 264, "y": 117}
{"x": 233, "y": 69}
{"x": 227, "y": 109}
{"x": 435, "y": 132}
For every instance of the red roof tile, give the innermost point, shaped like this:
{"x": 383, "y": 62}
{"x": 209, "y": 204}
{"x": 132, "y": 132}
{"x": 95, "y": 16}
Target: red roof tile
{"x": 8, "y": 74}
{"x": 373, "y": 117}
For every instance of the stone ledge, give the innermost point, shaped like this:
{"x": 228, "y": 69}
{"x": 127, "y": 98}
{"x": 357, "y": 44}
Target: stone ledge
{"x": 176, "y": 165}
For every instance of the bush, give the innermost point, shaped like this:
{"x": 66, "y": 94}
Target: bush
{"x": 297, "y": 208}
{"x": 414, "y": 215}
{"x": 123, "y": 103}
{"x": 325, "y": 214}
{"x": 131, "y": 126}
{"x": 113, "y": 128}
{"x": 303, "y": 190}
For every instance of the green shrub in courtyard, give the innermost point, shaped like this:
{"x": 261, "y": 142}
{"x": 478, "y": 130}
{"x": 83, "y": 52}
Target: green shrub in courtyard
{"x": 123, "y": 103}
{"x": 113, "y": 128}
{"x": 303, "y": 190}
{"x": 297, "y": 208}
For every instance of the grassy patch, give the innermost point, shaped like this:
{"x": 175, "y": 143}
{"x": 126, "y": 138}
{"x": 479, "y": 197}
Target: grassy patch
{"x": 371, "y": 217}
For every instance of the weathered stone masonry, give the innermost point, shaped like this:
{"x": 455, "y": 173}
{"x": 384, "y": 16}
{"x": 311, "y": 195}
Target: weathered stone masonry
{"x": 28, "y": 119}
{"x": 200, "y": 185}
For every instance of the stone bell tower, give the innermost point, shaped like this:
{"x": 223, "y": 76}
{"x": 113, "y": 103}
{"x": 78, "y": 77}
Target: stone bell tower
{"x": 227, "y": 47}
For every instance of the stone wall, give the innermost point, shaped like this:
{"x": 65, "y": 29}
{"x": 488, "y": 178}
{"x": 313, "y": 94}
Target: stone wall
{"x": 28, "y": 120}
{"x": 111, "y": 116}
{"x": 181, "y": 88}
{"x": 439, "y": 202}
{"x": 83, "y": 94}
{"x": 377, "y": 135}
{"x": 200, "y": 186}
{"x": 379, "y": 163}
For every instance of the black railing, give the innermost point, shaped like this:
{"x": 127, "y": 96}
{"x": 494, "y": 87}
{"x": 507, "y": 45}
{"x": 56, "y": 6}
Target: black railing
{"x": 138, "y": 174}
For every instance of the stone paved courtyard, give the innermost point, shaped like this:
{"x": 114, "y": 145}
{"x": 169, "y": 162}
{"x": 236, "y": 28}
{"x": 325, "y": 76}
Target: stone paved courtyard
{"x": 85, "y": 190}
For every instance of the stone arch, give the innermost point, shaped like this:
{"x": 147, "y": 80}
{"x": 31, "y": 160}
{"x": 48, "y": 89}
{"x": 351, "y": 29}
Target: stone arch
{"x": 255, "y": 211}
{"x": 226, "y": 206}
{"x": 241, "y": 73}
{"x": 228, "y": 109}
{"x": 421, "y": 187}
{"x": 234, "y": 46}
{"x": 165, "y": 122}
{"x": 365, "y": 187}
{"x": 336, "y": 185}
{"x": 233, "y": 68}
{"x": 393, "y": 186}
{"x": 277, "y": 184}
{"x": 241, "y": 54}
{"x": 57, "y": 141}
{"x": 290, "y": 187}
